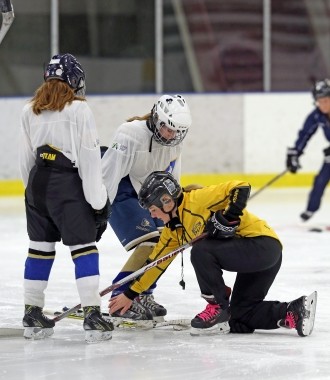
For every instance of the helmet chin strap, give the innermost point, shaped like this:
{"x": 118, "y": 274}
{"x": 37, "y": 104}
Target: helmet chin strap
{"x": 174, "y": 221}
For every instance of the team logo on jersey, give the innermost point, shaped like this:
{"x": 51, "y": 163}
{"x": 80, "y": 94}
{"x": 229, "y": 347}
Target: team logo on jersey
{"x": 145, "y": 222}
{"x": 48, "y": 156}
{"x": 197, "y": 228}
{"x": 118, "y": 146}
{"x": 144, "y": 225}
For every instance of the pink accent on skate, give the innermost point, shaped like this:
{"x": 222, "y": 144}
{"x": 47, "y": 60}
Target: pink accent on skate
{"x": 210, "y": 312}
{"x": 290, "y": 321}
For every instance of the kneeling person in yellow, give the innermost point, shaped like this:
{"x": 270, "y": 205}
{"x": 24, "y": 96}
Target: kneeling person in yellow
{"x": 237, "y": 241}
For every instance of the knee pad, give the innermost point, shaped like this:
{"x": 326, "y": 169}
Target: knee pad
{"x": 139, "y": 257}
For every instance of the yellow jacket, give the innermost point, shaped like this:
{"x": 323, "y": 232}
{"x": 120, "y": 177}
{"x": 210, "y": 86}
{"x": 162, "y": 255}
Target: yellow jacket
{"x": 194, "y": 211}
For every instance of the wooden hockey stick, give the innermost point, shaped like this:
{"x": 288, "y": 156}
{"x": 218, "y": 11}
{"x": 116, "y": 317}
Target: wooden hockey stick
{"x": 135, "y": 274}
{"x": 277, "y": 177}
{"x": 8, "y": 16}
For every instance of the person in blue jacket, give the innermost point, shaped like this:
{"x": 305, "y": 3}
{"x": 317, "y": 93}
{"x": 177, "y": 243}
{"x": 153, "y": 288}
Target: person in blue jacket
{"x": 318, "y": 118}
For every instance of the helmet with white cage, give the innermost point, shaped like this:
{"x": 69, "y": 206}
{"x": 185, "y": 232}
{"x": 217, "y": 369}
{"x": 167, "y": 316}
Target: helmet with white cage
{"x": 173, "y": 113}
{"x": 321, "y": 89}
{"x": 157, "y": 188}
{"x": 66, "y": 68}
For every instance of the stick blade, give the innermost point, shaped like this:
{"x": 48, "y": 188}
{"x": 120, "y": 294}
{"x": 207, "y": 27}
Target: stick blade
{"x": 11, "y": 332}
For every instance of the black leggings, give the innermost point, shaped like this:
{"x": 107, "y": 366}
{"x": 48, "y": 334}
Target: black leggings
{"x": 257, "y": 261}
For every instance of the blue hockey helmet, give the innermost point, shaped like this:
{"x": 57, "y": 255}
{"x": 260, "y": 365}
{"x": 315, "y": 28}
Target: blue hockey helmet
{"x": 321, "y": 89}
{"x": 66, "y": 68}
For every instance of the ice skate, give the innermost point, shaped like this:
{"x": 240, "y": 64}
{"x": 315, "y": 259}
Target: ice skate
{"x": 213, "y": 319}
{"x": 306, "y": 215}
{"x": 137, "y": 312}
{"x": 96, "y": 328}
{"x": 158, "y": 311}
{"x": 36, "y": 324}
{"x": 301, "y": 315}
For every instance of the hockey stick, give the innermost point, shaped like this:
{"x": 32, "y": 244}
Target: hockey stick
{"x": 8, "y": 16}
{"x": 277, "y": 177}
{"x": 124, "y": 323}
{"x": 135, "y": 274}
{"x": 11, "y": 332}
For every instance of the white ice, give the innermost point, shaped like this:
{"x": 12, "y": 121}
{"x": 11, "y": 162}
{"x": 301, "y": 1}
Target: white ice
{"x": 164, "y": 353}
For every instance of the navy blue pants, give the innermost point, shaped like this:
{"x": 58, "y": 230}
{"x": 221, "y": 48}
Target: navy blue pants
{"x": 131, "y": 223}
{"x": 319, "y": 185}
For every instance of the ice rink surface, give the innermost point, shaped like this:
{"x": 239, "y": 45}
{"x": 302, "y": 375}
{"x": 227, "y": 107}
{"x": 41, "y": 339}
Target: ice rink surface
{"x": 163, "y": 353}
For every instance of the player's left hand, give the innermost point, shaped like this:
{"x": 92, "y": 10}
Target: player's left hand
{"x": 219, "y": 227}
{"x": 120, "y": 302}
{"x": 101, "y": 219}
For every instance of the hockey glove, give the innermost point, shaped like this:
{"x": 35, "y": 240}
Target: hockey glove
{"x": 101, "y": 219}
{"x": 326, "y": 152}
{"x": 218, "y": 227}
{"x": 292, "y": 160}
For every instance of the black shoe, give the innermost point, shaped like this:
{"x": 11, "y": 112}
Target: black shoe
{"x": 300, "y": 315}
{"x": 149, "y": 303}
{"x": 36, "y": 324}
{"x": 96, "y": 327}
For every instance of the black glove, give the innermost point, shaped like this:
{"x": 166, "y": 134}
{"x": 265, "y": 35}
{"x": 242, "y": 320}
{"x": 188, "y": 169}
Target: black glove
{"x": 103, "y": 149}
{"x": 292, "y": 160}
{"x": 219, "y": 227}
{"x": 326, "y": 152}
{"x": 101, "y": 219}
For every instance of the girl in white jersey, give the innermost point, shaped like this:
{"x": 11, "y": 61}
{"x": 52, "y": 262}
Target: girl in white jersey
{"x": 65, "y": 199}
{"x": 139, "y": 147}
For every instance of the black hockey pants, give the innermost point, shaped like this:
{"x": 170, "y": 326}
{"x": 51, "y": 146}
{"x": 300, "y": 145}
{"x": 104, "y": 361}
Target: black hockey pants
{"x": 55, "y": 204}
{"x": 257, "y": 261}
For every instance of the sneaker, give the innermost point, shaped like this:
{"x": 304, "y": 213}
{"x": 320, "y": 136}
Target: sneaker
{"x": 213, "y": 318}
{"x": 300, "y": 315}
{"x": 96, "y": 327}
{"x": 306, "y": 215}
{"x": 158, "y": 311}
{"x": 136, "y": 312}
{"x": 37, "y": 325}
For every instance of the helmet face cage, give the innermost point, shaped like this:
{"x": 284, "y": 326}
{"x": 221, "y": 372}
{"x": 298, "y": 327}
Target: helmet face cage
{"x": 171, "y": 112}
{"x": 157, "y": 188}
{"x": 321, "y": 89}
{"x": 66, "y": 68}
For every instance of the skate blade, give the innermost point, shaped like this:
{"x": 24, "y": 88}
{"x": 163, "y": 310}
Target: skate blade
{"x": 125, "y": 323}
{"x": 308, "y": 321}
{"x": 96, "y": 336}
{"x": 159, "y": 319}
{"x": 37, "y": 333}
{"x": 219, "y": 328}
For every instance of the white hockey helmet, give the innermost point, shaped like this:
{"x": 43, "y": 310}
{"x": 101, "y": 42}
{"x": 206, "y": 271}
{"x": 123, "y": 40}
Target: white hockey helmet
{"x": 172, "y": 112}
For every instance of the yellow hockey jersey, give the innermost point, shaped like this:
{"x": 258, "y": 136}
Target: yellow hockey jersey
{"x": 194, "y": 211}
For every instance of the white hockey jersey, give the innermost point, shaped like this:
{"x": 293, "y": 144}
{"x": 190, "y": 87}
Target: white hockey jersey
{"x": 71, "y": 131}
{"x": 129, "y": 154}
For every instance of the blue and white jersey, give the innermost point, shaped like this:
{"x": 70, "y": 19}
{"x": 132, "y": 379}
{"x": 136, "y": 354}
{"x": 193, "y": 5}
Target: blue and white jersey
{"x": 73, "y": 132}
{"x": 131, "y": 152}
{"x": 316, "y": 119}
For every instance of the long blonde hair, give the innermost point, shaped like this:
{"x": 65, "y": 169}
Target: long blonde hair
{"x": 53, "y": 95}
{"x": 144, "y": 117}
